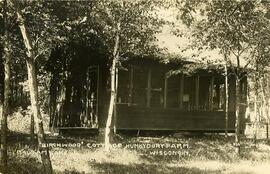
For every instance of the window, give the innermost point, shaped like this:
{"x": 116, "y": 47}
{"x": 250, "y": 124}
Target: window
{"x": 157, "y": 88}
{"x": 173, "y": 91}
{"x": 123, "y": 86}
{"x": 204, "y": 84}
{"x": 219, "y": 94}
{"x": 189, "y": 93}
{"x": 142, "y": 86}
{"x": 140, "y": 80}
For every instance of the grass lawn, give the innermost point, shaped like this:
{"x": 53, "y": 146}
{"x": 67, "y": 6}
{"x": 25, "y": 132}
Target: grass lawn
{"x": 187, "y": 154}
{"x": 204, "y": 155}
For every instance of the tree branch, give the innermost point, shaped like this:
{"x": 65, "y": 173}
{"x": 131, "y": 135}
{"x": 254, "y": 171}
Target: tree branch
{"x": 40, "y": 53}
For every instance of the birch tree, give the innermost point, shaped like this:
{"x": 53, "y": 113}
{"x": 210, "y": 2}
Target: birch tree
{"x": 232, "y": 27}
{"x": 128, "y": 27}
{"x": 31, "y": 55}
{"x": 5, "y": 109}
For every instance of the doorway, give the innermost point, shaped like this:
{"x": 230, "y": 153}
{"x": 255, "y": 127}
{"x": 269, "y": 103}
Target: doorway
{"x": 89, "y": 115}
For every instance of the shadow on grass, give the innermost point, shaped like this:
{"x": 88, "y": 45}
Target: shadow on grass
{"x": 32, "y": 166}
{"x": 24, "y": 166}
{"x": 70, "y": 171}
{"x": 112, "y": 168}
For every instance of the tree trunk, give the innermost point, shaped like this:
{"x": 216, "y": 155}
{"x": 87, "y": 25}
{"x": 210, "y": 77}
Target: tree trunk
{"x": 32, "y": 129}
{"x": 237, "y": 116}
{"x": 115, "y": 114}
{"x": 264, "y": 108}
{"x": 267, "y": 100}
{"x": 113, "y": 91}
{"x": 247, "y": 113}
{"x": 256, "y": 109}
{"x": 111, "y": 109}
{"x": 255, "y": 121}
{"x": 44, "y": 152}
{"x": 5, "y": 109}
{"x": 226, "y": 97}
{"x": 5, "y": 112}
{"x": 32, "y": 81}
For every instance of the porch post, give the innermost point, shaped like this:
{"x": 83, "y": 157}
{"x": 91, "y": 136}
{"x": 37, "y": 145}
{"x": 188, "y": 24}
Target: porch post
{"x": 211, "y": 92}
{"x": 181, "y": 91}
{"x": 130, "y": 86}
{"x": 97, "y": 110}
{"x": 148, "y": 97}
{"x": 197, "y": 88}
{"x": 217, "y": 88}
{"x": 232, "y": 94}
{"x": 165, "y": 90}
{"x": 115, "y": 102}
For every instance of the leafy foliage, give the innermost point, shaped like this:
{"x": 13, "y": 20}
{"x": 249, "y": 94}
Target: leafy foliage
{"x": 234, "y": 27}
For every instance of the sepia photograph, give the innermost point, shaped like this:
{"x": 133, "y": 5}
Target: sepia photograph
{"x": 134, "y": 86}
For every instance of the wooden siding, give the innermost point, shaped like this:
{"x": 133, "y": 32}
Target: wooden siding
{"x": 132, "y": 117}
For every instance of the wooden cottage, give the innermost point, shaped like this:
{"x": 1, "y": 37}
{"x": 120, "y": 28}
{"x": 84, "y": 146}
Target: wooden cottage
{"x": 149, "y": 96}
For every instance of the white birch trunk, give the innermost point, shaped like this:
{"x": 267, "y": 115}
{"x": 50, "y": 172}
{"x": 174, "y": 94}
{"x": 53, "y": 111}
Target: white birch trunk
{"x": 237, "y": 117}
{"x": 113, "y": 90}
{"x": 226, "y": 97}
{"x": 5, "y": 109}
{"x": 32, "y": 80}
{"x": 264, "y": 108}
